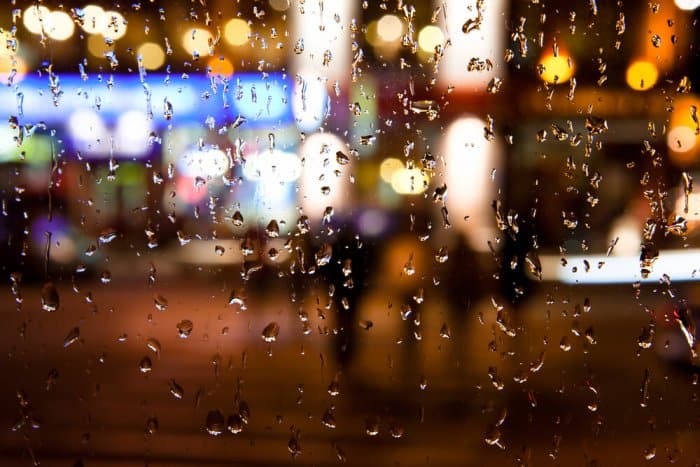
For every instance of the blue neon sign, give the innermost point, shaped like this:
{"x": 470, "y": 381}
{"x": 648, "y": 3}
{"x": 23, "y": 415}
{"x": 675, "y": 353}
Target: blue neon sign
{"x": 260, "y": 100}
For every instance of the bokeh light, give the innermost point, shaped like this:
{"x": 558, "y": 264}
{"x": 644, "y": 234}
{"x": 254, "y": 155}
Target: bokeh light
{"x": 389, "y": 167}
{"x": 429, "y": 37}
{"x": 114, "y": 25}
{"x": 94, "y": 19}
{"x": 236, "y": 32}
{"x": 197, "y": 41}
{"x": 556, "y": 70}
{"x": 152, "y": 55}
{"x": 409, "y": 181}
{"x": 33, "y": 17}
{"x": 59, "y": 25}
{"x": 97, "y": 46}
{"x": 642, "y": 75}
{"x": 221, "y": 66}
{"x": 681, "y": 139}
{"x": 390, "y": 28}
{"x": 687, "y": 5}
{"x": 279, "y": 5}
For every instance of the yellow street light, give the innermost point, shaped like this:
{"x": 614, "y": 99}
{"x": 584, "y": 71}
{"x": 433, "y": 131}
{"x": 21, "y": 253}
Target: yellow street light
{"x": 236, "y": 32}
{"x": 556, "y": 70}
{"x": 429, "y": 37}
{"x": 59, "y": 25}
{"x": 642, "y": 75}
{"x": 94, "y": 19}
{"x": 197, "y": 40}
{"x": 409, "y": 181}
{"x": 33, "y": 18}
{"x": 390, "y": 28}
{"x": 152, "y": 55}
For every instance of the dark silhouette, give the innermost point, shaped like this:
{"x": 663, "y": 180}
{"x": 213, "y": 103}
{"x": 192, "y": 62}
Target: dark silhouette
{"x": 347, "y": 274}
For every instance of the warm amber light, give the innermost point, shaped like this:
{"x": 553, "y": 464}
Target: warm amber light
{"x": 113, "y": 25}
{"x": 197, "y": 40}
{"x": 687, "y": 5}
{"x": 642, "y": 75}
{"x": 59, "y": 25}
{"x": 12, "y": 66}
{"x": 279, "y": 5}
{"x": 429, "y": 37}
{"x": 219, "y": 66}
{"x": 94, "y": 20}
{"x": 33, "y": 17}
{"x": 5, "y": 49}
{"x": 389, "y": 167}
{"x": 152, "y": 55}
{"x": 683, "y": 136}
{"x": 236, "y": 32}
{"x": 409, "y": 181}
{"x": 390, "y": 28}
{"x": 96, "y": 46}
{"x": 681, "y": 139}
{"x": 556, "y": 70}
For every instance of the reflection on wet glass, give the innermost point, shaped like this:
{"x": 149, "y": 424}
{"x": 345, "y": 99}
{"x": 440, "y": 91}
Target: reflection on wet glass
{"x": 397, "y": 233}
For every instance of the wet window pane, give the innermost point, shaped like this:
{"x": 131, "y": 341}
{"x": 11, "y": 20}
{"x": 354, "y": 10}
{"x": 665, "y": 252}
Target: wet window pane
{"x": 262, "y": 232}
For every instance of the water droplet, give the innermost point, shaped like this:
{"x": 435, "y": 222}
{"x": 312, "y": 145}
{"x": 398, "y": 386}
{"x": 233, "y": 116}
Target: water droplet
{"x": 494, "y": 85}
{"x": 372, "y": 426}
{"x": 50, "y": 300}
{"x": 342, "y": 158}
{"x": 590, "y": 335}
{"x": 237, "y": 219}
{"x": 328, "y": 419}
{"x": 645, "y": 339}
{"x": 72, "y": 337}
{"x": 645, "y": 388}
{"x": 151, "y": 426}
{"x": 323, "y": 255}
{"x": 153, "y": 345}
{"x": 396, "y": 430}
{"x": 334, "y": 386}
{"x": 686, "y": 324}
{"x": 237, "y": 297}
{"x": 408, "y": 267}
{"x": 493, "y": 437}
{"x": 293, "y": 446}
{"x": 184, "y": 328}
{"x": 442, "y": 255}
{"x": 596, "y": 125}
{"x": 649, "y": 452}
{"x": 423, "y": 383}
{"x": 532, "y": 260}
{"x": 215, "y": 424}
{"x": 160, "y": 302}
{"x": 175, "y": 389}
{"x": 234, "y": 424}
{"x": 684, "y": 85}
{"x": 51, "y": 379}
{"x": 445, "y": 331}
{"x": 273, "y": 229}
{"x": 167, "y": 109}
{"x": 429, "y": 108}
{"x": 107, "y": 235}
{"x": 145, "y": 365}
{"x": 105, "y": 277}
{"x": 656, "y": 40}
{"x": 271, "y": 331}
{"x": 299, "y": 46}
